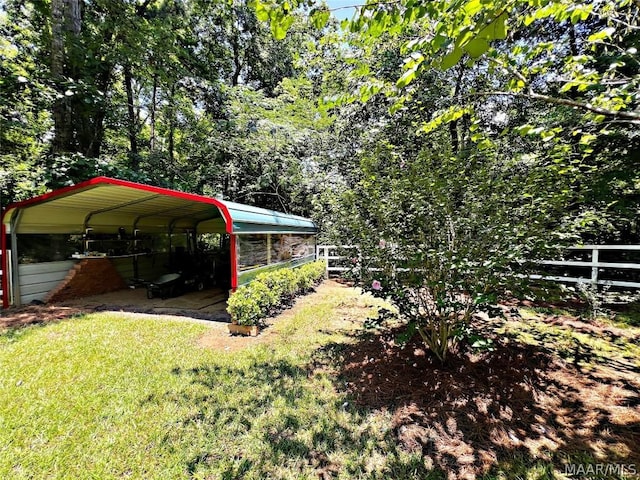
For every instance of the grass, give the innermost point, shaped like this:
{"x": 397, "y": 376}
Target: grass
{"x": 105, "y": 396}
{"x": 628, "y": 317}
{"x": 588, "y": 347}
{"x": 102, "y": 396}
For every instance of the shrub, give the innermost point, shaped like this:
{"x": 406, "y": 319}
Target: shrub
{"x": 272, "y": 281}
{"x": 292, "y": 283}
{"x": 282, "y": 282}
{"x": 441, "y": 236}
{"x": 249, "y": 304}
{"x": 266, "y": 297}
{"x": 309, "y": 275}
{"x": 243, "y": 307}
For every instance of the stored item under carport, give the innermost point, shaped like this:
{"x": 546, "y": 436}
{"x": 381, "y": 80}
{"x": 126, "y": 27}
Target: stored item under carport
{"x": 164, "y": 286}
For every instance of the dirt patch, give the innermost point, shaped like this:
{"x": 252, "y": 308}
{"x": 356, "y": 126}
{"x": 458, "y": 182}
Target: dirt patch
{"x": 480, "y": 409}
{"x": 220, "y": 339}
{"x": 34, "y": 314}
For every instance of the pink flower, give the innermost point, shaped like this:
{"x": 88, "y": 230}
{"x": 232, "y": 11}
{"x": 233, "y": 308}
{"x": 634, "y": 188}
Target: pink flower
{"x": 382, "y": 243}
{"x": 376, "y": 285}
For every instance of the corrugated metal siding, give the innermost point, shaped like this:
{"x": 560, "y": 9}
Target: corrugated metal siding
{"x": 248, "y": 219}
{"x": 37, "y": 279}
{"x": 248, "y": 228}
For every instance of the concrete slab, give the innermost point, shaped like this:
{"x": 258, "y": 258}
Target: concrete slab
{"x": 208, "y": 304}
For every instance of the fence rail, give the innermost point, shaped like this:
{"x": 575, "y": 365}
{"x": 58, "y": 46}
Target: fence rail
{"x": 329, "y": 255}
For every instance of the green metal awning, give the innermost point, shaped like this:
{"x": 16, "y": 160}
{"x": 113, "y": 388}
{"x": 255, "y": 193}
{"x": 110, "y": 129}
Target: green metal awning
{"x": 248, "y": 219}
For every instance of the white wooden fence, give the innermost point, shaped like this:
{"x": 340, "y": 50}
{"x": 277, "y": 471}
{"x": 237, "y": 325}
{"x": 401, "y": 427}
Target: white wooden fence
{"x": 329, "y": 253}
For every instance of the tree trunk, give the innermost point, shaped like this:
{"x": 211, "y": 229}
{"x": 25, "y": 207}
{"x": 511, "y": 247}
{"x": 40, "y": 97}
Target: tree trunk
{"x": 453, "y": 126}
{"x": 572, "y": 40}
{"x": 66, "y": 26}
{"x": 172, "y": 125}
{"x": 172, "y": 131}
{"x": 453, "y": 133}
{"x": 132, "y": 122}
{"x": 74, "y": 16}
{"x": 237, "y": 70}
{"x": 62, "y": 127}
{"x": 154, "y": 93}
{"x": 57, "y": 37}
{"x": 89, "y": 119}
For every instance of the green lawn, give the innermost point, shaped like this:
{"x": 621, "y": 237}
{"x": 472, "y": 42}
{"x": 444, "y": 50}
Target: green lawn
{"x": 102, "y": 396}
{"x": 110, "y": 396}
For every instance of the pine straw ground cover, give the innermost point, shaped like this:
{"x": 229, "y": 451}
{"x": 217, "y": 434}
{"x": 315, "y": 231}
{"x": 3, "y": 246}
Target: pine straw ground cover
{"x": 521, "y": 410}
{"x": 553, "y": 392}
{"x": 114, "y": 396}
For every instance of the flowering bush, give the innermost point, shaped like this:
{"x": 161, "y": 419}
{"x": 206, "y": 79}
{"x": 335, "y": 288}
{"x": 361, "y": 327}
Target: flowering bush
{"x": 271, "y": 291}
{"x": 441, "y": 236}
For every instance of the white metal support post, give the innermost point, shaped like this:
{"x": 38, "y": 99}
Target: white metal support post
{"x": 15, "y": 274}
{"x": 595, "y": 254}
{"x": 326, "y": 262}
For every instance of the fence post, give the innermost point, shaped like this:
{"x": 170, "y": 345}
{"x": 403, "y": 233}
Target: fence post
{"x": 595, "y": 255}
{"x": 326, "y": 262}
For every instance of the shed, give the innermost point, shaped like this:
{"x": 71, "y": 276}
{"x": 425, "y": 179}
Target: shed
{"x": 143, "y": 231}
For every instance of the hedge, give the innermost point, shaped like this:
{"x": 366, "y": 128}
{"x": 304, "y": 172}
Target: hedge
{"x": 269, "y": 292}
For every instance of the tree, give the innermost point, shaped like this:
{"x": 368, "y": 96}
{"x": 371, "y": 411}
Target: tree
{"x": 444, "y": 34}
{"x": 151, "y": 91}
{"x": 481, "y": 148}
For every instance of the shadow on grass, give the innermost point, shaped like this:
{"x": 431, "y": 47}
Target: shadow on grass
{"x": 628, "y": 314}
{"x": 516, "y": 407}
{"x": 275, "y": 419}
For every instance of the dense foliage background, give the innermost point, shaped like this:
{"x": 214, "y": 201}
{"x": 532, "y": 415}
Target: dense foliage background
{"x": 193, "y": 95}
{"x": 214, "y": 98}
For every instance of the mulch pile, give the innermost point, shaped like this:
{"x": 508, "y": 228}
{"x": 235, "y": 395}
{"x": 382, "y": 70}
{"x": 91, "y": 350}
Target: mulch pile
{"x": 482, "y": 409}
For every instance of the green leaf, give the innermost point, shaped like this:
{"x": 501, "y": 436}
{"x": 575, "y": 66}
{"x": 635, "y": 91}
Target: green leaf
{"x": 451, "y": 59}
{"x": 472, "y": 7}
{"x": 580, "y": 13}
{"x": 476, "y": 47}
{"x": 407, "y": 334}
{"x": 464, "y": 38}
{"x": 496, "y": 29}
{"x": 523, "y": 129}
{"x": 320, "y": 17}
{"x": 601, "y": 35}
{"x": 262, "y": 13}
{"x": 501, "y": 27}
{"x": 280, "y": 25}
{"x": 407, "y": 77}
{"x": 587, "y": 139}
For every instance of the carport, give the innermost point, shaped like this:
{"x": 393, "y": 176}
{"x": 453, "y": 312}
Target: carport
{"x": 140, "y": 229}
